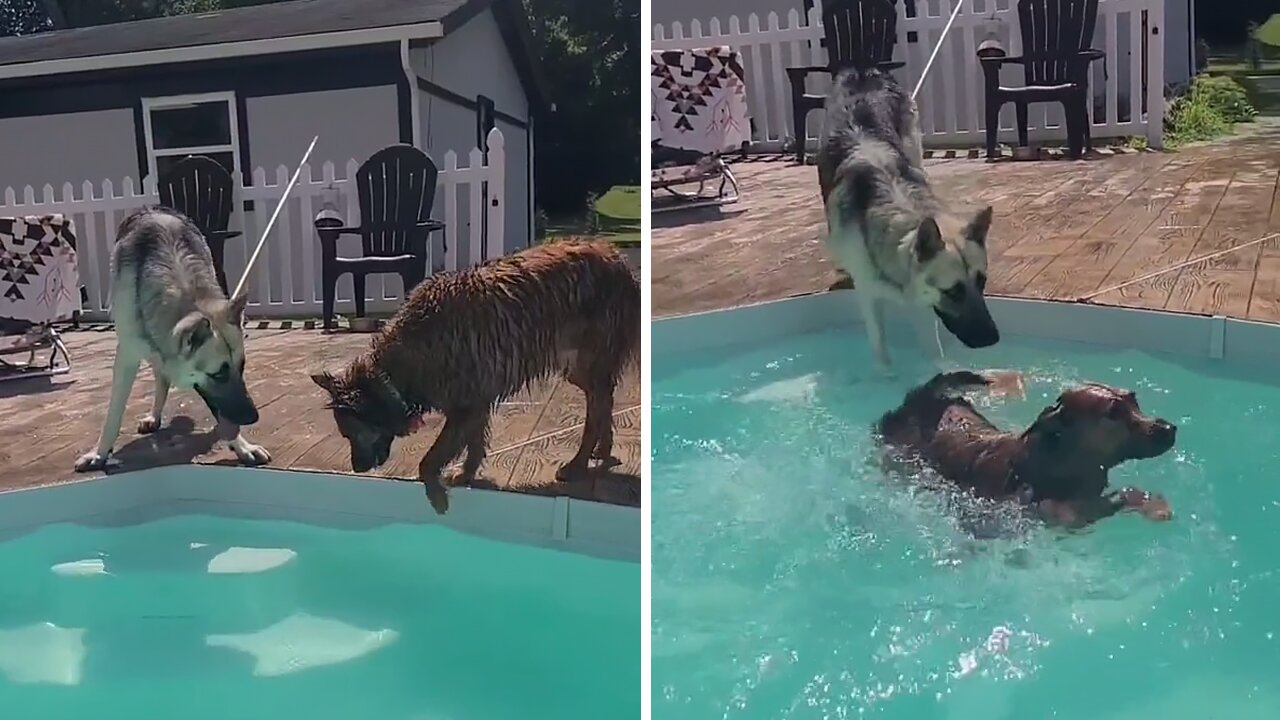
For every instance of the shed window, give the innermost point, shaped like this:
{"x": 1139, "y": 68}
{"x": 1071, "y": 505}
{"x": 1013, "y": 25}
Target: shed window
{"x": 177, "y": 127}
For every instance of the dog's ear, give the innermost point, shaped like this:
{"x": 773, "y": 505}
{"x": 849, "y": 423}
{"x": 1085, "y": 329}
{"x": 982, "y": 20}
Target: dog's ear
{"x": 977, "y": 229}
{"x": 235, "y": 308}
{"x": 192, "y": 332}
{"x": 1050, "y": 423}
{"x": 928, "y": 240}
{"x": 329, "y": 382}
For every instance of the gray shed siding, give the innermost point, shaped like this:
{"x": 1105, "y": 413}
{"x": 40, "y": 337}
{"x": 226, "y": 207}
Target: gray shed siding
{"x": 67, "y": 147}
{"x": 351, "y": 123}
{"x": 472, "y": 61}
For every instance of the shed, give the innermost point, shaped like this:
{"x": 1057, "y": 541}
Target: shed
{"x": 251, "y": 86}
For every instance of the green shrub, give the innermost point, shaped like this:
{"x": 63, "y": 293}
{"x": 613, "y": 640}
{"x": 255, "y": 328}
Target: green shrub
{"x": 1209, "y": 109}
{"x": 1227, "y": 96}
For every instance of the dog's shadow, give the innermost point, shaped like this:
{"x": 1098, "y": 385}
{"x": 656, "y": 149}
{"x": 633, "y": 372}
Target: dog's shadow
{"x": 20, "y": 386}
{"x": 598, "y": 483}
{"x": 175, "y": 443}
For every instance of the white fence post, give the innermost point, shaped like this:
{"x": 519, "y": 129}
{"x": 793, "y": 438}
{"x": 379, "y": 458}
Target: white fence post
{"x": 497, "y": 210}
{"x": 289, "y": 263}
{"x": 951, "y": 103}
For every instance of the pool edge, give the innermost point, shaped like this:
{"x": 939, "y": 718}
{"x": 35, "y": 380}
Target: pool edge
{"x": 1212, "y": 337}
{"x": 329, "y": 499}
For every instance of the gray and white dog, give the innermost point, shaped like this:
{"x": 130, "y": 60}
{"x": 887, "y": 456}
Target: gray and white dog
{"x": 169, "y": 310}
{"x": 885, "y": 225}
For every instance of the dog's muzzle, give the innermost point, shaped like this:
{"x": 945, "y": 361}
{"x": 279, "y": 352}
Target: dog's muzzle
{"x": 1163, "y": 435}
{"x": 973, "y": 326}
{"x": 239, "y": 411}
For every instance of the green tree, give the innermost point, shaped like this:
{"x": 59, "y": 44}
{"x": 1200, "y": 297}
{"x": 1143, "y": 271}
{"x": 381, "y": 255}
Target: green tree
{"x": 22, "y": 17}
{"x": 591, "y": 57}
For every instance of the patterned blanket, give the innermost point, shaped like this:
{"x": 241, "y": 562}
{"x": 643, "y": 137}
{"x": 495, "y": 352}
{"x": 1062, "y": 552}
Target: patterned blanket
{"x": 39, "y": 275}
{"x": 699, "y": 100}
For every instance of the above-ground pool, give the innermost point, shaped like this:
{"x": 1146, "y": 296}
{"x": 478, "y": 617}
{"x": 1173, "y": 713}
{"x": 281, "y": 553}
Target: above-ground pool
{"x": 200, "y": 607}
{"x": 793, "y": 579}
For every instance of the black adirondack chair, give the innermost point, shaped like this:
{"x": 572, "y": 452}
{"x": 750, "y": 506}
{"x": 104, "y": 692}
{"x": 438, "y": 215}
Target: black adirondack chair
{"x": 858, "y": 33}
{"x": 1056, "y": 55}
{"x": 396, "y": 188}
{"x": 200, "y": 188}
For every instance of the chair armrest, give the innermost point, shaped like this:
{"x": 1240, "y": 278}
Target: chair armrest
{"x": 431, "y": 225}
{"x": 1090, "y": 55}
{"x": 224, "y": 235}
{"x": 339, "y": 230}
{"x": 806, "y": 69}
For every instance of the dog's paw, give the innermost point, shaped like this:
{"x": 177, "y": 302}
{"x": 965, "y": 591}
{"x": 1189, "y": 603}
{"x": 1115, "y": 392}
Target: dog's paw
{"x": 843, "y": 282}
{"x": 93, "y": 460}
{"x": 570, "y": 472}
{"x": 148, "y": 424}
{"x": 607, "y": 461}
{"x": 438, "y": 496}
{"x": 250, "y": 454}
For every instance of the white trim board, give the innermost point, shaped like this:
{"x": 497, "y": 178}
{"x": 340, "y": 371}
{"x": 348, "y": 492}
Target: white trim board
{"x": 1197, "y": 336}
{"x": 331, "y": 500}
{"x": 218, "y": 51}
{"x": 172, "y": 101}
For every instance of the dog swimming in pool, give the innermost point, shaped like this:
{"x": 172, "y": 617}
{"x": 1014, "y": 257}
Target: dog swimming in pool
{"x": 1057, "y": 467}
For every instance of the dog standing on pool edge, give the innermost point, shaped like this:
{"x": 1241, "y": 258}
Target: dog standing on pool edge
{"x": 463, "y": 342}
{"x": 170, "y": 311}
{"x": 1058, "y": 465}
{"x": 885, "y": 224}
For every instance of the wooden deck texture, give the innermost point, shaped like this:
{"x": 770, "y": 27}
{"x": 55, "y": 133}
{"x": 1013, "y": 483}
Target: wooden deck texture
{"x": 1062, "y": 230}
{"x": 46, "y": 424}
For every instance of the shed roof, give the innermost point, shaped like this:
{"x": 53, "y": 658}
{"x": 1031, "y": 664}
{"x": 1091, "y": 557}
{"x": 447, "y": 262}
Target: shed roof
{"x": 263, "y": 29}
{"x": 259, "y": 22}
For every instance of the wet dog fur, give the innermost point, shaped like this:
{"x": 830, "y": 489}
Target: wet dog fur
{"x": 1058, "y": 465}
{"x": 885, "y": 224}
{"x": 463, "y": 342}
{"x": 169, "y": 310}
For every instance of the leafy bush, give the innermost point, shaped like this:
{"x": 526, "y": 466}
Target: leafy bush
{"x": 1227, "y": 97}
{"x": 1209, "y": 109}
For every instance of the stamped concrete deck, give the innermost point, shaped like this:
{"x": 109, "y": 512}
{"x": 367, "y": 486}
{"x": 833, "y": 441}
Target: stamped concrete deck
{"x": 1063, "y": 230}
{"x": 46, "y": 424}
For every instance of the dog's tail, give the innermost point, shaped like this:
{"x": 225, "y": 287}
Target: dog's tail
{"x": 946, "y": 384}
{"x": 622, "y": 319}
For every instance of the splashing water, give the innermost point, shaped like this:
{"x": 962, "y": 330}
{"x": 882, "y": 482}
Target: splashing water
{"x": 793, "y": 579}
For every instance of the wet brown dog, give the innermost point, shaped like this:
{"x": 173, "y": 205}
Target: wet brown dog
{"x": 1058, "y": 465}
{"x": 463, "y": 342}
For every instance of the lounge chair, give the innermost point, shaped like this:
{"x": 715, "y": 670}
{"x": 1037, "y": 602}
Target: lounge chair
{"x": 699, "y": 112}
{"x": 39, "y": 286}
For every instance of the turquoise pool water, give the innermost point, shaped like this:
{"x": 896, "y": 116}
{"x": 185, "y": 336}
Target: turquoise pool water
{"x": 792, "y": 580}
{"x": 199, "y": 617}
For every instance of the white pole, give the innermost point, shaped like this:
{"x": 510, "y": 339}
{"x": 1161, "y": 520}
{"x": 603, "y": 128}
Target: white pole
{"x": 271, "y": 223}
{"x": 937, "y": 332}
{"x": 934, "y": 55}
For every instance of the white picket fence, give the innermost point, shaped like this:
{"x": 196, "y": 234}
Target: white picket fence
{"x": 470, "y": 200}
{"x": 1128, "y": 91}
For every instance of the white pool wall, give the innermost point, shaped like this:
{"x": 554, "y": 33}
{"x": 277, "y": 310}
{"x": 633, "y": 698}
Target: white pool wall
{"x": 1186, "y": 335}
{"x": 331, "y": 500}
